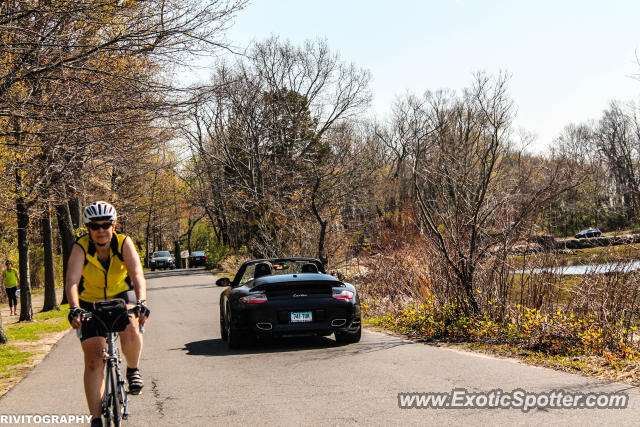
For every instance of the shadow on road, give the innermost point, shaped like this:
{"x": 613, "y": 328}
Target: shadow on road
{"x": 217, "y": 347}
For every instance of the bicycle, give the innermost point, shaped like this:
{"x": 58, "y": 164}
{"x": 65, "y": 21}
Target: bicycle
{"x": 113, "y": 317}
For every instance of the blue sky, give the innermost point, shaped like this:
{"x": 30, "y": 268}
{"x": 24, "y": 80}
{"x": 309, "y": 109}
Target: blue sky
{"x": 568, "y": 59}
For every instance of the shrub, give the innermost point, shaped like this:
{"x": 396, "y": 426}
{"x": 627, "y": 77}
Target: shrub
{"x": 552, "y": 334}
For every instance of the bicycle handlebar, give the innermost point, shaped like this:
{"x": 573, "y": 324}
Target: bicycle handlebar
{"x": 89, "y": 315}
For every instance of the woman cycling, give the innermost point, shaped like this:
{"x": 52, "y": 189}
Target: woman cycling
{"x": 104, "y": 265}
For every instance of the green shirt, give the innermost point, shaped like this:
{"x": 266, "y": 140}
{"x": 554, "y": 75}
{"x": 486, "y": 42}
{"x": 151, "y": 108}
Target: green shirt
{"x": 10, "y": 277}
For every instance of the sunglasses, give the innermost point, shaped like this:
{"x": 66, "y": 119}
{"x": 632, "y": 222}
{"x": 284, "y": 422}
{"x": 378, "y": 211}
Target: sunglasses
{"x": 94, "y": 226}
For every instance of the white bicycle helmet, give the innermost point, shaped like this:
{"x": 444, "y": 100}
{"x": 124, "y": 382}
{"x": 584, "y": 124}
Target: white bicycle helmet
{"x": 99, "y": 211}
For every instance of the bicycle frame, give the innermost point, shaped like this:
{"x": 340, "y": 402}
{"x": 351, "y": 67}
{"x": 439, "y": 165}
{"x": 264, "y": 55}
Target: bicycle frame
{"x": 112, "y": 364}
{"x": 113, "y": 380}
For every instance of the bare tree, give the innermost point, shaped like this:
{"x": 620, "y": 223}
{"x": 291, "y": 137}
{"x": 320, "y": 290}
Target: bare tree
{"x": 254, "y": 131}
{"x": 617, "y": 138}
{"x": 340, "y": 180}
{"x": 475, "y": 191}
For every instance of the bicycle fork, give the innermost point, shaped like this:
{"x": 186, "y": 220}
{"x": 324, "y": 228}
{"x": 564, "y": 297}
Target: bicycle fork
{"x": 112, "y": 359}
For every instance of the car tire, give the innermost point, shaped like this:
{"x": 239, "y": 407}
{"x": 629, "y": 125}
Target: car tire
{"x": 223, "y": 329}
{"x": 347, "y": 337}
{"x": 153, "y": 269}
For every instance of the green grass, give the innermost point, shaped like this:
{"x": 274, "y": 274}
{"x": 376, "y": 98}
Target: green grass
{"x": 33, "y": 331}
{"x": 11, "y": 356}
{"x": 44, "y": 323}
{"x": 54, "y": 314}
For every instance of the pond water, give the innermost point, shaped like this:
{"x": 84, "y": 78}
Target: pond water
{"x": 585, "y": 269}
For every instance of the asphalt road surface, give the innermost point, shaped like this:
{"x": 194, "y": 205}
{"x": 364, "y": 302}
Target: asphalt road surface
{"x": 193, "y": 379}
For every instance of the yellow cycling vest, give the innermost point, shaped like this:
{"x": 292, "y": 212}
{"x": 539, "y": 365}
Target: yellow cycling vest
{"x": 96, "y": 283}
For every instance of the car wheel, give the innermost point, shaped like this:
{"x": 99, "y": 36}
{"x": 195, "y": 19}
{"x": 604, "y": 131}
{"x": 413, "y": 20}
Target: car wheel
{"x": 153, "y": 269}
{"x": 347, "y": 337}
{"x": 223, "y": 329}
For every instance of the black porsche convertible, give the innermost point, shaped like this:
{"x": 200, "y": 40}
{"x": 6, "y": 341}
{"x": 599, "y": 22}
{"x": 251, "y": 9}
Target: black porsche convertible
{"x": 287, "y": 297}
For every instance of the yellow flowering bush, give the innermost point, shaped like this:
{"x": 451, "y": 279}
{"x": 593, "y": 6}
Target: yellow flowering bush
{"x": 558, "y": 333}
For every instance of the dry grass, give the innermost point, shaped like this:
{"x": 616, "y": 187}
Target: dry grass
{"x": 549, "y": 317}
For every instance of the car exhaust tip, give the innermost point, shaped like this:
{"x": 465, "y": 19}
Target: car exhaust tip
{"x": 338, "y": 322}
{"x": 264, "y": 326}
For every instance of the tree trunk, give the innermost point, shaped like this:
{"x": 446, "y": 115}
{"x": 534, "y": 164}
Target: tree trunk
{"x": 74, "y": 211}
{"x": 146, "y": 246}
{"x": 3, "y": 336}
{"x": 67, "y": 236}
{"x": 189, "y": 231}
{"x": 323, "y": 223}
{"x": 224, "y": 230}
{"x": 50, "y": 302}
{"x": 471, "y": 299}
{"x": 322, "y": 256}
{"x": 26, "y": 309}
{"x": 176, "y": 252}
{"x": 147, "y": 232}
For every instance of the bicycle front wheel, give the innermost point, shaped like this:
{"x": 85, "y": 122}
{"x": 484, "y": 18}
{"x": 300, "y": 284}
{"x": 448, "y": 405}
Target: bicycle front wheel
{"x": 107, "y": 397}
{"x": 115, "y": 397}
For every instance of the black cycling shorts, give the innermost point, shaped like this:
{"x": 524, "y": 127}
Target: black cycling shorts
{"x": 89, "y": 329}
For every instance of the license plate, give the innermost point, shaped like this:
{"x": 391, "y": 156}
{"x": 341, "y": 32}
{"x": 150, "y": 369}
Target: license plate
{"x": 301, "y": 316}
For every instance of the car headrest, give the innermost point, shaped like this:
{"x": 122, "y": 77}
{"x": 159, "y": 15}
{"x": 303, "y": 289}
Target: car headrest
{"x": 309, "y": 268}
{"x": 262, "y": 269}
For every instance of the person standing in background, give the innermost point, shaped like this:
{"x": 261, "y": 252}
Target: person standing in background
{"x": 10, "y": 279}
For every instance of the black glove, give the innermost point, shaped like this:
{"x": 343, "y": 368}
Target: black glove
{"x": 75, "y": 312}
{"x": 142, "y": 308}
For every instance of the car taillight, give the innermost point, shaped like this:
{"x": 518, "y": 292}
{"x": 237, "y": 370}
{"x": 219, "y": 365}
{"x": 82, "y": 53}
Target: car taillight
{"x": 339, "y": 293}
{"x": 254, "y": 299}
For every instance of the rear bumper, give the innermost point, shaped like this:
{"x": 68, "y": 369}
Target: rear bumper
{"x": 274, "y": 318}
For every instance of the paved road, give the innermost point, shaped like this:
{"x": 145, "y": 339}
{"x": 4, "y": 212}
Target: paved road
{"x": 193, "y": 379}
